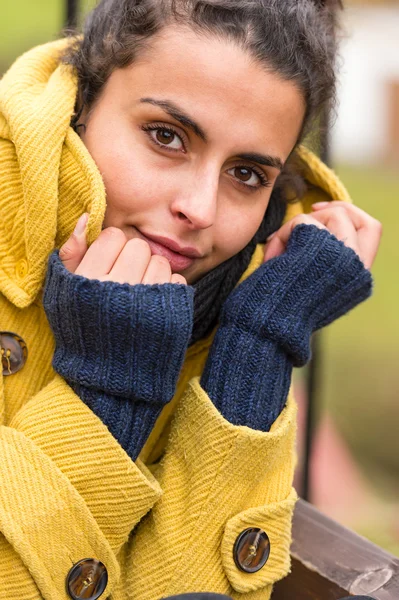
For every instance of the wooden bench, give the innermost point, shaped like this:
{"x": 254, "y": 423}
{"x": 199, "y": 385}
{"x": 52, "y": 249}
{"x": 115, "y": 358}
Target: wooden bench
{"x": 331, "y": 562}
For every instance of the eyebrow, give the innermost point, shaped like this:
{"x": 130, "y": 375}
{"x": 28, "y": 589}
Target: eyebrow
{"x": 177, "y": 113}
{"x": 263, "y": 159}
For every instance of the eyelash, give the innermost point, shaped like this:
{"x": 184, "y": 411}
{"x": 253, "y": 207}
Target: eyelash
{"x": 264, "y": 182}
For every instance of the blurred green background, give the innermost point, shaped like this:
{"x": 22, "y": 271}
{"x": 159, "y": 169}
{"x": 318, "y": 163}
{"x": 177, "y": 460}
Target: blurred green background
{"x": 360, "y": 363}
{"x": 360, "y": 383}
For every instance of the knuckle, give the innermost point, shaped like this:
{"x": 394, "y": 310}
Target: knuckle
{"x": 113, "y": 233}
{"x": 340, "y": 212}
{"x": 66, "y": 251}
{"x": 138, "y": 245}
{"x": 304, "y": 218}
{"x": 339, "y": 216}
{"x": 378, "y": 226}
{"x": 308, "y": 219}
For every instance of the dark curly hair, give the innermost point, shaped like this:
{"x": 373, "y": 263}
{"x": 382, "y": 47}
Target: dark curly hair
{"x": 294, "y": 38}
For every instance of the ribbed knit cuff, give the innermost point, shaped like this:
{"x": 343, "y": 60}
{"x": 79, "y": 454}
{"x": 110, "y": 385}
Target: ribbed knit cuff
{"x": 247, "y": 378}
{"x": 129, "y": 422}
{"x": 267, "y": 321}
{"x": 126, "y": 341}
{"x": 316, "y": 280}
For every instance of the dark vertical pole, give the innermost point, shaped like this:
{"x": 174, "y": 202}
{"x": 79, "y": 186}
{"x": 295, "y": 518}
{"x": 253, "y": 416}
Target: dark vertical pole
{"x": 71, "y": 14}
{"x": 314, "y": 370}
{"x": 313, "y": 384}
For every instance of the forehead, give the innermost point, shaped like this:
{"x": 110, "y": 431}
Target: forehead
{"x": 220, "y": 85}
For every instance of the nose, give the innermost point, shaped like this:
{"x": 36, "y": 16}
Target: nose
{"x": 195, "y": 203}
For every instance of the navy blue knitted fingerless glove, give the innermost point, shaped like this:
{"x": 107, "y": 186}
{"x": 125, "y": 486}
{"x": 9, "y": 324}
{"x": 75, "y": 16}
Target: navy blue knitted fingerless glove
{"x": 120, "y": 347}
{"x": 267, "y": 321}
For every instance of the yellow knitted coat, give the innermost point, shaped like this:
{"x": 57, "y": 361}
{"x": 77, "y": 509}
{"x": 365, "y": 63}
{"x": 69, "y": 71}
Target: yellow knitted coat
{"x": 161, "y": 525}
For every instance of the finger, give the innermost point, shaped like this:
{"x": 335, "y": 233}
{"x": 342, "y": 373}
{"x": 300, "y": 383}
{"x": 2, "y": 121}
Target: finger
{"x": 158, "y": 271}
{"x": 369, "y": 243}
{"x": 277, "y": 245}
{"x": 369, "y": 230}
{"x": 102, "y": 254}
{"x": 74, "y": 249}
{"x": 320, "y": 205}
{"x": 177, "y": 278}
{"x": 131, "y": 263}
{"x": 339, "y": 223}
{"x": 358, "y": 216}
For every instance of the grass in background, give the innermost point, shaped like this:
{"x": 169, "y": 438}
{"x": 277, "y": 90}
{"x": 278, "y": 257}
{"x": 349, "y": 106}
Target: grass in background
{"x": 27, "y": 23}
{"x": 361, "y": 350}
{"x": 376, "y": 190}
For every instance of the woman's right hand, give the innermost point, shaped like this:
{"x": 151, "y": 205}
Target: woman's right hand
{"x": 112, "y": 257}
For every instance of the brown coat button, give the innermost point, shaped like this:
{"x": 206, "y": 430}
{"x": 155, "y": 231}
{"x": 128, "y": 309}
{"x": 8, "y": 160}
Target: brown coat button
{"x": 87, "y": 579}
{"x": 251, "y": 550}
{"x": 14, "y": 352}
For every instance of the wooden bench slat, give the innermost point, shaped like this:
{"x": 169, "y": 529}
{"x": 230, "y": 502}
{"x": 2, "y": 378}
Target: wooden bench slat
{"x": 329, "y": 561}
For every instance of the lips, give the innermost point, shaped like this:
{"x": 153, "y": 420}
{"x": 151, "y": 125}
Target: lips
{"x": 180, "y": 258}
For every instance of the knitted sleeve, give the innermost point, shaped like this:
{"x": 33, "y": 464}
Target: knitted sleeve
{"x": 267, "y": 321}
{"x": 120, "y": 347}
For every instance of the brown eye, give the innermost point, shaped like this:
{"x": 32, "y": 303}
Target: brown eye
{"x": 242, "y": 173}
{"x": 248, "y": 177}
{"x": 164, "y": 136}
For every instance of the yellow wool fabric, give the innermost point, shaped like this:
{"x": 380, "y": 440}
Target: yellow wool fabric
{"x": 68, "y": 491}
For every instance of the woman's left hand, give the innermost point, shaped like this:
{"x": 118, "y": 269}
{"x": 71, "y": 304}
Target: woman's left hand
{"x": 354, "y": 227}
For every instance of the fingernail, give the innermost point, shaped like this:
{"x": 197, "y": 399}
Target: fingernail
{"x": 81, "y": 224}
{"x": 270, "y": 236}
{"x": 320, "y": 204}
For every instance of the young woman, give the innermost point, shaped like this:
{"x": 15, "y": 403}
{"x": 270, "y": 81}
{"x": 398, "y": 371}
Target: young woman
{"x": 149, "y": 323}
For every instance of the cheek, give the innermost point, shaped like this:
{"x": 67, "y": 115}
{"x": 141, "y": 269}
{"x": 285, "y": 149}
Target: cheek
{"x": 130, "y": 180}
{"x": 238, "y": 228}
{"x": 128, "y": 188}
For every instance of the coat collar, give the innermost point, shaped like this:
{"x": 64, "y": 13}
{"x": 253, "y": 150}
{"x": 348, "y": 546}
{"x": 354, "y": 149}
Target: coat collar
{"x": 50, "y": 179}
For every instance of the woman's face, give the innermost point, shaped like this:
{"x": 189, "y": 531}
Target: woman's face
{"x": 190, "y": 140}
